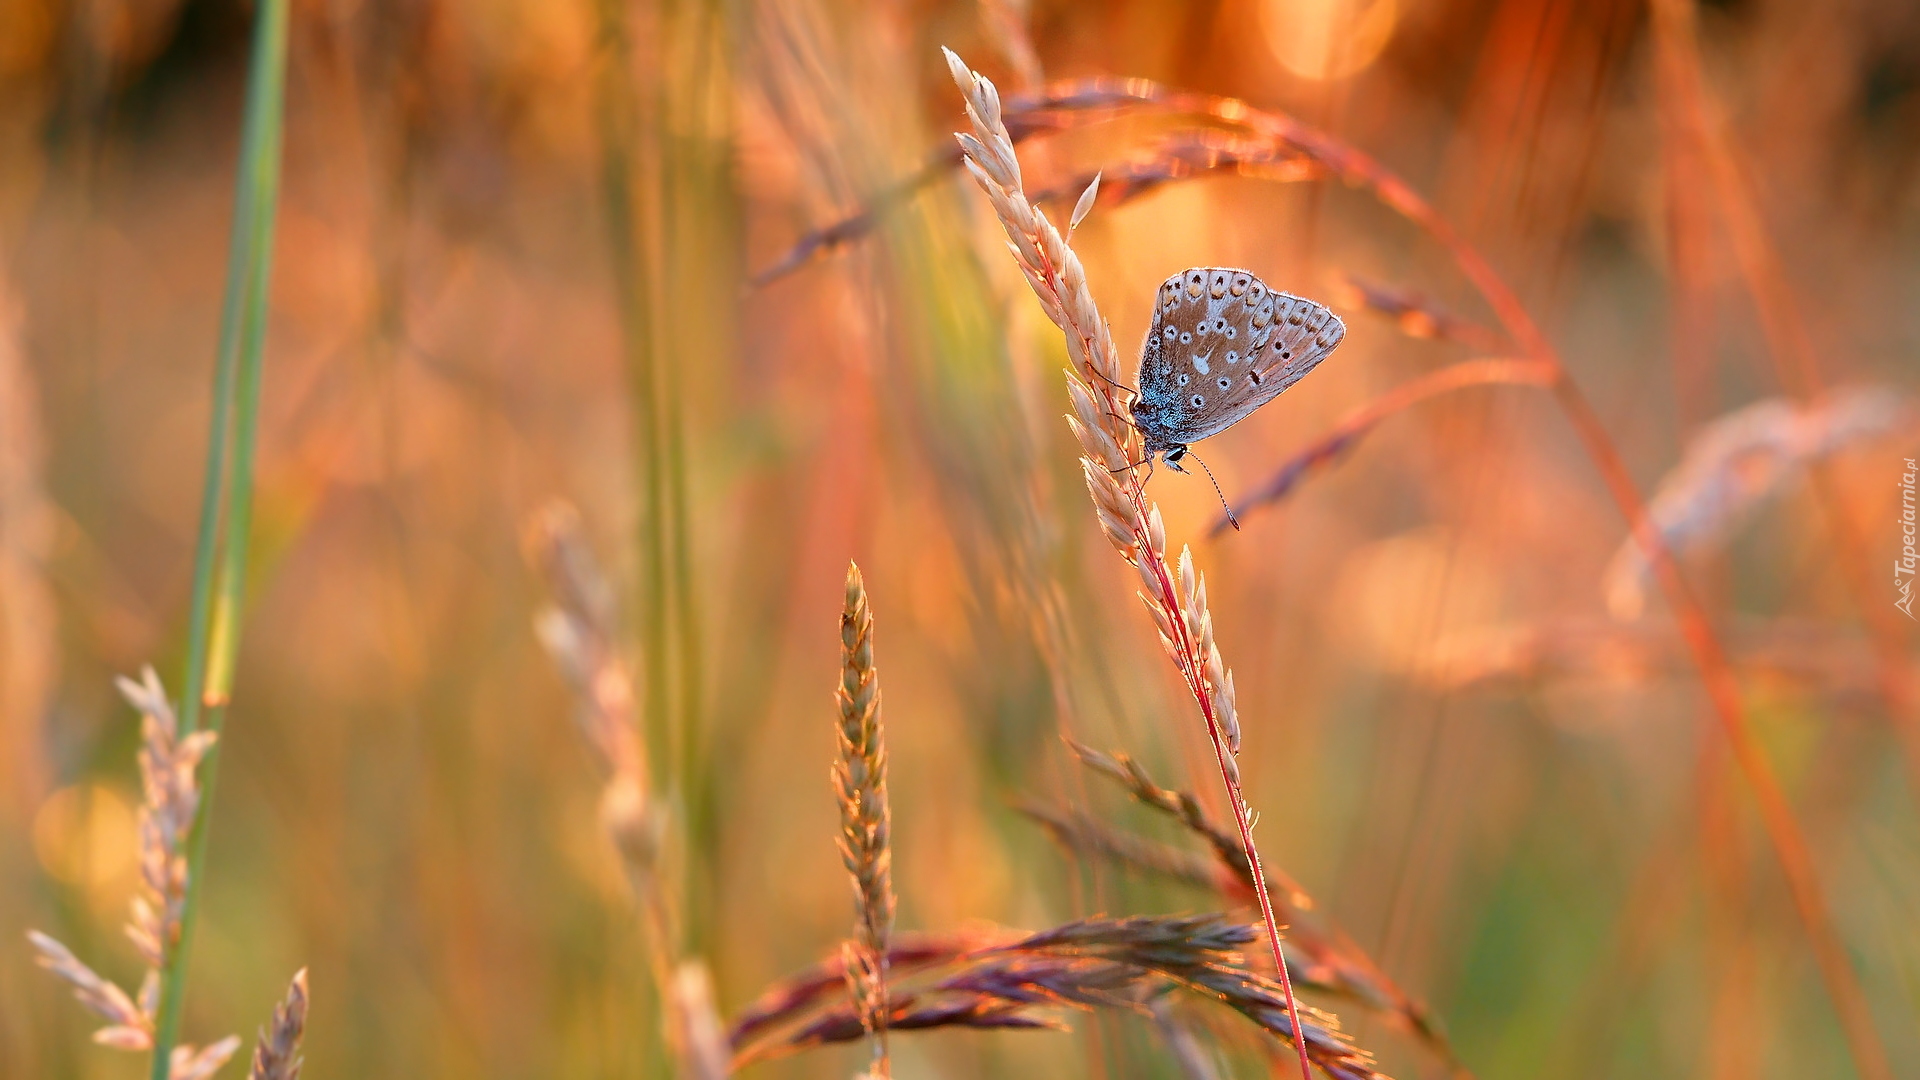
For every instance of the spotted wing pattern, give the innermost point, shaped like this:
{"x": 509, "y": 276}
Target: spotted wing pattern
{"x": 1221, "y": 346}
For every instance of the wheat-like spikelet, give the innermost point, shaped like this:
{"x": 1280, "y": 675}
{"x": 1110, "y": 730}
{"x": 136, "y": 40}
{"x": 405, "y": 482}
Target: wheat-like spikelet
{"x": 1001, "y": 993}
{"x": 993, "y": 991}
{"x": 580, "y": 632}
{"x": 1201, "y": 953}
{"x": 1175, "y": 594}
{"x": 1736, "y": 464}
{"x": 129, "y": 1025}
{"x": 187, "y": 1063}
{"x": 1181, "y": 156}
{"x": 170, "y": 788}
{"x": 276, "y": 1055}
{"x": 1323, "y": 958}
{"x": 579, "y": 629}
{"x": 1086, "y": 964}
{"x": 1185, "y": 156}
{"x": 1124, "y": 770}
{"x": 1110, "y": 446}
{"x": 981, "y": 1011}
{"x": 860, "y": 784}
{"x": 799, "y": 994}
{"x": 168, "y": 767}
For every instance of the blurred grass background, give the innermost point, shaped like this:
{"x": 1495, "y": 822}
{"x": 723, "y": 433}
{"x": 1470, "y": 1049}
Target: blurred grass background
{"x": 514, "y": 244}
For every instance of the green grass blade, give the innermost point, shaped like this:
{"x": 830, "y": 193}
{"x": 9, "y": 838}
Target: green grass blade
{"x": 213, "y": 629}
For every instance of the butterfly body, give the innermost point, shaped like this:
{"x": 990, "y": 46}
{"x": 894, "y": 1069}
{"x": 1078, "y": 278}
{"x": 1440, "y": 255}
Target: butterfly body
{"x": 1221, "y": 346}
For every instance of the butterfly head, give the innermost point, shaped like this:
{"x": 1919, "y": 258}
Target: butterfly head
{"x": 1155, "y": 433}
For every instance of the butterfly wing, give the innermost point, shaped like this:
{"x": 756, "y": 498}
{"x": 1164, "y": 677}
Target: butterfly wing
{"x": 1221, "y": 346}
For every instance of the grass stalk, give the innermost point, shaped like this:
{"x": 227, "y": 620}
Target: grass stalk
{"x": 697, "y": 226}
{"x": 617, "y": 115}
{"x": 1175, "y": 597}
{"x": 214, "y": 619}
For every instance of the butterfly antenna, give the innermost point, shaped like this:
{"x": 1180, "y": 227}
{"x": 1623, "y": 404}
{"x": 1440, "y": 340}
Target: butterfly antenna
{"x": 1231, "y": 520}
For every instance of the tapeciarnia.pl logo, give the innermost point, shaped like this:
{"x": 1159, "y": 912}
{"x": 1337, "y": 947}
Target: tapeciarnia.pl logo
{"x": 1903, "y": 567}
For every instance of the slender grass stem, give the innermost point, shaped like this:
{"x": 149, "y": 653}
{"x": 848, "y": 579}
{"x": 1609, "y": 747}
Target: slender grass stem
{"x": 697, "y": 230}
{"x": 214, "y": 621}
{"x": 622, "y": 171}
{"x": 621, "y": 167}
{"x": 206, "y": 547}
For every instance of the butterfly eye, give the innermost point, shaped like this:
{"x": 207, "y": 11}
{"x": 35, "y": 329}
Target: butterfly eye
{"x": 1184, "y": 379}
{"x": 1232, "y": 333}
{"x": 1172, "y": 333}
{"x": 1225, "y": 383}
{"x": 1197, "y": 401}
{"x": 1186, "y": 338}
{"x": 1233, "y": 357}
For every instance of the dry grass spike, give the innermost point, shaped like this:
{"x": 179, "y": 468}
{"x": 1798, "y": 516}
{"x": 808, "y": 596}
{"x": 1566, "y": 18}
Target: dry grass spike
{"x": 580, "y": 631}
{"x": 169, "y": 780}
{"x": 1738, "y": 463}
{"x": 276, "y": 1056}
{"x": 860, "y": 783}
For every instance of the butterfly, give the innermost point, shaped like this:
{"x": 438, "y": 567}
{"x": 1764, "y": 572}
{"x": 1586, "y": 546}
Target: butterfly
{"x": 1222, "y": 345}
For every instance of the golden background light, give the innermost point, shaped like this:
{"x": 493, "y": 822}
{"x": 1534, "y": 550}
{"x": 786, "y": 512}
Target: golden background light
{"x": 1327, "y": 39}
{"x": 85, "y": 835}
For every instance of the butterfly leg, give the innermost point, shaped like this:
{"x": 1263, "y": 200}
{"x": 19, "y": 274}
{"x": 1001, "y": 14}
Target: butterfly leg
{"x": 1122, "y": 387}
